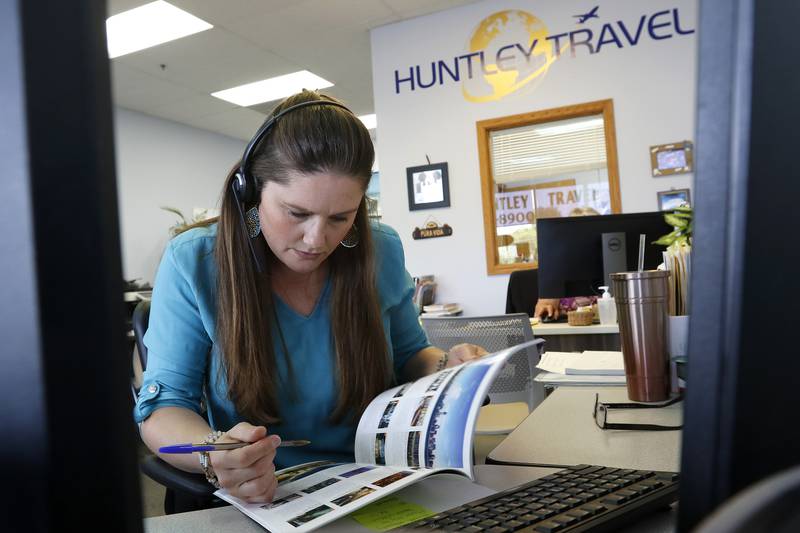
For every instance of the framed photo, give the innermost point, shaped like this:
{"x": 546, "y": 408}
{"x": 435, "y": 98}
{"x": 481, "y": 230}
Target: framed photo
{"x": 428, "y": 186}
{"x": 669, "y": 200}
{"x": 667, "y": 159}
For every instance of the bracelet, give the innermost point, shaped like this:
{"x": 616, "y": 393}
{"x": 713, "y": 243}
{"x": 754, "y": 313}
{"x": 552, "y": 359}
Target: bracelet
{"x": 442, "y": 362}
{"x": 212, "y": 437}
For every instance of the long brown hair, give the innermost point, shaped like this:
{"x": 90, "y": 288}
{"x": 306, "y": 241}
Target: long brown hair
{"x": 309, "y": 140}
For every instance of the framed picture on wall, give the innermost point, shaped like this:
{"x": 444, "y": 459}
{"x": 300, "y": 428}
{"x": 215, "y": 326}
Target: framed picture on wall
{"x": 428, "y": 186}
{"x": 668, "y": 159}
{"x": 669, "y": 200}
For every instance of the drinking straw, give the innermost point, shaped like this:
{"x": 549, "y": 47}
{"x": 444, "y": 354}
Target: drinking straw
{"x": 642, "y": 238}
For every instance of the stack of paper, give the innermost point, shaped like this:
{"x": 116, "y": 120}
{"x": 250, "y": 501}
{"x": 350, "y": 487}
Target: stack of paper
{"x": 441, "y": 310}
{"x": 587, "y": 368}
{"x": 679, "y": 262}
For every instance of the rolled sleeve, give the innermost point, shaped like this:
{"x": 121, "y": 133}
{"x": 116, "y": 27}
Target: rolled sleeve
{"x": 176, "y": 339}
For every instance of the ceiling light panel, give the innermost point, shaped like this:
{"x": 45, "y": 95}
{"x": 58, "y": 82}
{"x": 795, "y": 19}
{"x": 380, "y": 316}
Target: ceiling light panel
{"x": 149, "y": 25}
{"x": 272, "y": 89}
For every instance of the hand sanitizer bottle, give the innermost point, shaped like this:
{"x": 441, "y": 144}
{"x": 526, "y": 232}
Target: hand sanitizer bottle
{"x": 607, "y": 308}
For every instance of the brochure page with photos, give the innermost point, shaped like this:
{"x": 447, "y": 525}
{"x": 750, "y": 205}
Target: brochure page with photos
{"x": 405, "y": 434}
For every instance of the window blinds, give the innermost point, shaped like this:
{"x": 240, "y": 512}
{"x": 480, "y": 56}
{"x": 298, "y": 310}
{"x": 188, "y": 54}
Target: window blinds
{"x": 550, "y": 149}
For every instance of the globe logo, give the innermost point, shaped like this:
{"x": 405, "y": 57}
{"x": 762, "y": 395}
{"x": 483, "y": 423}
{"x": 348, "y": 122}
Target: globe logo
{"x": 514, "y": 53}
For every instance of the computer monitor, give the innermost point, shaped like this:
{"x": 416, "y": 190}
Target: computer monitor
{"x": 740, "y": 414}
{"x": 69, "y": 441}
{"x": 576, "y": 254}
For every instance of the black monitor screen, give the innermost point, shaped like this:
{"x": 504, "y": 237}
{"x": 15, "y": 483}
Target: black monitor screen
{"x": 571, "y": 255}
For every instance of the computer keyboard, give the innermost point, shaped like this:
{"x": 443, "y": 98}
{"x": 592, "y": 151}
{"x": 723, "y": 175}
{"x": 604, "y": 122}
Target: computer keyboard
{"x": 579, "y": 498}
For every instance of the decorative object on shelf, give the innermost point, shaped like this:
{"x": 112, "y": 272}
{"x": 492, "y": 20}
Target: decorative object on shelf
{"x": 581, "y": 317}
{"x": 431, "y": 230}
{"x": 428, "y": 186}
{"x": 675, "y": 158}
{"x": 669, "y": 200}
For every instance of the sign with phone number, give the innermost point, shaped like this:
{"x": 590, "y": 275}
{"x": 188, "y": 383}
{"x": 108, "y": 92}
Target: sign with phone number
{"x": 513, "y": 208}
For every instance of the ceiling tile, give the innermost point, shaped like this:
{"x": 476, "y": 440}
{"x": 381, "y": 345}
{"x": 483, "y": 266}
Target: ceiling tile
{"x": 242, "y": 121}
{"x": 193, "y": 107}
{"x": 209, "y": 61}
{"x": 415, "y": 8}
{"x": 138, "y": 90}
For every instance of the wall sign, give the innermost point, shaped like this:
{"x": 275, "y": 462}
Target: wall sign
{"x": 513, "y": 208}
{"x": 513, "y": 49}
{"x": 431, "y": 230}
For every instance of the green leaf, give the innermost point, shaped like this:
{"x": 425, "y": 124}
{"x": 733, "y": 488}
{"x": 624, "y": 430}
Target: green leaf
{"x": 674, "y": 221}
{"x": 668, "y": 239}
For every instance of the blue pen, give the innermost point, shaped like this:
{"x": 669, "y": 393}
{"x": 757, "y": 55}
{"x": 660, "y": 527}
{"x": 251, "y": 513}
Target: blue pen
{"x": 202, "y": 447}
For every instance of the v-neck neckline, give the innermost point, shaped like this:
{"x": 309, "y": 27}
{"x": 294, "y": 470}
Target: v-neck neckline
{"x": 298, "y": 314}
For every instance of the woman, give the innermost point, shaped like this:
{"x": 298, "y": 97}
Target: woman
{"x": 290, "y": 312}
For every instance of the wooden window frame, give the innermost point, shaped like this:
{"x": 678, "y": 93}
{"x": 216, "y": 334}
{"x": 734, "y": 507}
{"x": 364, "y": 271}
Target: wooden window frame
{"x": 484, "y": 130}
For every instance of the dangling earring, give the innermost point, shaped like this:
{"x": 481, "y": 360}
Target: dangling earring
{"x": 351, "y": 239}
{"x": 253, "y": 222}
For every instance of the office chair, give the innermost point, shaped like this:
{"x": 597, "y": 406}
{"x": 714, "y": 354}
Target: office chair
{"x": 513, "y": 394}
{"x": 523, "y": 291}
{"x": 185, "y": 491}
{"x": 768, "y": 506}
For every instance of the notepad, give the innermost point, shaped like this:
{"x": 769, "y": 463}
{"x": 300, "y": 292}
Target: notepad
{"x": 588, "y": 363}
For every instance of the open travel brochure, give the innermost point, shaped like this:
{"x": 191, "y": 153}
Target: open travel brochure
{"x": 405, "y": 434}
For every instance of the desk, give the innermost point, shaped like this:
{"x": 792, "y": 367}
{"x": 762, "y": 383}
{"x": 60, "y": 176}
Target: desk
{"x": 561, "y": 337}
{"x": 230, "y": 519}
{"x": 561, "y": 431}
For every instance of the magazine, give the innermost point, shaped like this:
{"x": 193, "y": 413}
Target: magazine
{"x": 406, "y": 433}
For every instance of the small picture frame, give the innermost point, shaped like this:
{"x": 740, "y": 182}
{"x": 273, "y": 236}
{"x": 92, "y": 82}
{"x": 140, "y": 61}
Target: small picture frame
{"x": 669, "y": 200}
{"x": 668, "y": 159}
{"x": 428, "y": 186}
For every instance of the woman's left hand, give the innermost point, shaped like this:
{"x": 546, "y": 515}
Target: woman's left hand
{"x": 461, "y": 353}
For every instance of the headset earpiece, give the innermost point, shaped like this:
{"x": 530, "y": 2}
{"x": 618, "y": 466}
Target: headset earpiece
{"x": 242, "y": 189}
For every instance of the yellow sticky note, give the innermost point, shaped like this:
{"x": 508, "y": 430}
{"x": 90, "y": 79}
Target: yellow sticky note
{"x": 390, "y": 512}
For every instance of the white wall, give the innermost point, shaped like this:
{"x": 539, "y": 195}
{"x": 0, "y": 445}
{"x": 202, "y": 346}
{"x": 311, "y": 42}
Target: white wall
{"x": 160, "y": 162}
{"x": 652, "y": 85}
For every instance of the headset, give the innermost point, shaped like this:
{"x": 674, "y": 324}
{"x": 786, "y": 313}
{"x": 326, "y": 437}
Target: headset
{"x": 243, "y": 184}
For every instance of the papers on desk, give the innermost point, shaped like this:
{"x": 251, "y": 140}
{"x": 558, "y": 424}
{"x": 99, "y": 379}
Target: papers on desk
{"x": 589, "y": 362}
{"x": 587, "y": 368}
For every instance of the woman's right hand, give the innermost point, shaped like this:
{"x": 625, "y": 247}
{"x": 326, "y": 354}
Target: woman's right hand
{"x": 248, "y": 473}
{"x": 547, "y": 307}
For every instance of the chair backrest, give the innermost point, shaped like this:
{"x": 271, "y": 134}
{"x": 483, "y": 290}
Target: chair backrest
{"x": 494, "y": 333}
{"x": 768, "y": 506}
{"x": 523, "y": 291}
{"x": 140, "y": 320}
{"x": 185, "y": 491}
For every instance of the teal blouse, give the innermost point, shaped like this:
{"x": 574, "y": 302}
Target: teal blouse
{"x": 184, "y": 363}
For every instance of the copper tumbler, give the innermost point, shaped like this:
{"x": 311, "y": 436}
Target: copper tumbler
{"x": 641, "y": 299}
